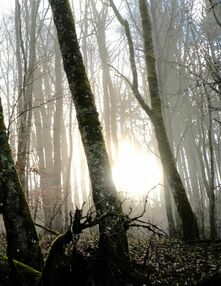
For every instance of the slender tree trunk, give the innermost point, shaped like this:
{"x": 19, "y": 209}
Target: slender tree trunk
{"x": 58, "y": 118}
{"x": 109, "y": 100}
{"x": 113, "y": 240}
{"x": 66, "y": 168}
{"x": 21, "y": 234}
{"x": 44, "y": 148}
{"x": 25, "y": 98}
{"x": 211, "y": 190}
{"x": 189, "y": 224}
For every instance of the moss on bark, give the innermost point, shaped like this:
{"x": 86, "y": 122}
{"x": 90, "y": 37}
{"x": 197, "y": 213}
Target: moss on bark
{"x": 189, "y": 224}
{"x": 104, "y": 192}
{"x": 27, "y": 275}
{"x": 22, "y": 238}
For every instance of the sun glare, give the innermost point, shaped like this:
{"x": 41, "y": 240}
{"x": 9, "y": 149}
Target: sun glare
{"x": 135, "y": 171}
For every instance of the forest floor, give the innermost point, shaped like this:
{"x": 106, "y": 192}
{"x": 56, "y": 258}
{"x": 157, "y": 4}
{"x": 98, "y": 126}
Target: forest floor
{"x": 164, "y": 261}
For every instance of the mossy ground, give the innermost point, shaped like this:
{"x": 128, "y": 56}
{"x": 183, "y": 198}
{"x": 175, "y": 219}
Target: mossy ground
{"x": 165, "y": 262}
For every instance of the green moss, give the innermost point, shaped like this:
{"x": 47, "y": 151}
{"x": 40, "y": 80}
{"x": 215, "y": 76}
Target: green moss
{"x": 17, "y": 217}
{"x": 50, "y": 274}
{"x": 27, "y": 272}
{"x": 28, "y": 275}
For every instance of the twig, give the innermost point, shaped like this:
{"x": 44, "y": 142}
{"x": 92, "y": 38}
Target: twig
{"x": 47, "y": 229}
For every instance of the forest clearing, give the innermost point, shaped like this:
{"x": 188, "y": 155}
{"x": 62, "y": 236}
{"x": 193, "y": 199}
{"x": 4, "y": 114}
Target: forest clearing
{"x": 110, "y": 142}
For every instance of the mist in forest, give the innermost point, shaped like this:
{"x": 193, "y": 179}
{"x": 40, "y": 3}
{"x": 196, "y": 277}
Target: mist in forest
{"x": 41, "y": 119}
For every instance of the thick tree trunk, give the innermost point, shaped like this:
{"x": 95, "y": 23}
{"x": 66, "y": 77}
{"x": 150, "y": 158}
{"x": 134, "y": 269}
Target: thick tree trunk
{"x": 26, "y": 275}
{"x": 169, "y": 209}
{"x": 113, "y": 241}
{"x": 21, "y": 234}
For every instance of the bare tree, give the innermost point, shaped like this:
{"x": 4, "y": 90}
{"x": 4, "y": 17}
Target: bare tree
{"x": 113, "y": 239}
{"x": 189, "y": 224}
{"x": 25, "y": 90}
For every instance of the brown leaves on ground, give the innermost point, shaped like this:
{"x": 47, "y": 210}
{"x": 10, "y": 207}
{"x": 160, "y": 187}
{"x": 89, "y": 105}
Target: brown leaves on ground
{"x": 171, "y": 262}
{"x": 165, "y": 262}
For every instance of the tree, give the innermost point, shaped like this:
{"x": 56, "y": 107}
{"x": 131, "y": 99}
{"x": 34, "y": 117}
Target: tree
{"x": 109, "y": 94}
{"x": 113, "y": 240}
{"x": 189, "y": 224}
{"x": 48, "y": 97}
{"x": 22, "y": 238}
{"x": 25, "y": 88}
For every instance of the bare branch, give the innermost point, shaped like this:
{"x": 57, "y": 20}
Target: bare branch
{"x": 47, "y": 229}
{"x": 213, "y": 5}
{"x": 135, "y": 87}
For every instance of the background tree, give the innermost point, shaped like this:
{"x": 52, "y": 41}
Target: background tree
{"x": 25, "y": 83}
{"x": 189, "y": 224}
{"x": 186, "y": 40}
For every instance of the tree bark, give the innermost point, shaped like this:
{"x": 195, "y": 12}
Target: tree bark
{"x": 211, "y": 173}
{"x": 27, "y": 275}
{"x": 113, "y": 240}
{"x": 21, "y": 234}
{"x": 189, "y": 224}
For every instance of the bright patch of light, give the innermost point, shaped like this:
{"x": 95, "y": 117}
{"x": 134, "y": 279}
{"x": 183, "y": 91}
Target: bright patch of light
{"x": 6, "y": 7}
{"x": 198, "y": 9}
{"x": 99, "y": 5}
{"x": 136, "y": 172}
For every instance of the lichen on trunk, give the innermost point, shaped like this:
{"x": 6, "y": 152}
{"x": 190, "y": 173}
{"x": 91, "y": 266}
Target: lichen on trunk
{"x": 189, "y": 224}
{"x": 22, "y": 238}
{"x": 104, "y": 192}
{"x": 154, "y": 112}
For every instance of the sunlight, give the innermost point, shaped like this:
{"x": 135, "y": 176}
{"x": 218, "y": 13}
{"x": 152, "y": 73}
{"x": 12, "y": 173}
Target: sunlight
{"x": 135, "y": 171}
{"x": 6, "y": 7}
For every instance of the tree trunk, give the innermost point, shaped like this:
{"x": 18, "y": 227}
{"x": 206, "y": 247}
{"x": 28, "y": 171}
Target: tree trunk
{"x": 169, "y": 209}
{"x": 109, "y": 94}
{"x": 66, "y": 169}
{"x": 58, "y": 118}
{"x": 189, "y": 224}
{"x": 211, "y": 179}
{"x": 21, "y": 234}
{"x": 27, "y": 275}
{"x": 44, "y": 146}
{"x": 25, "y": 97}
{"x": 113, "y": 240}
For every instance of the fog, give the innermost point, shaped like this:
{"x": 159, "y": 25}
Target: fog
{"x": 41, "y": 119}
